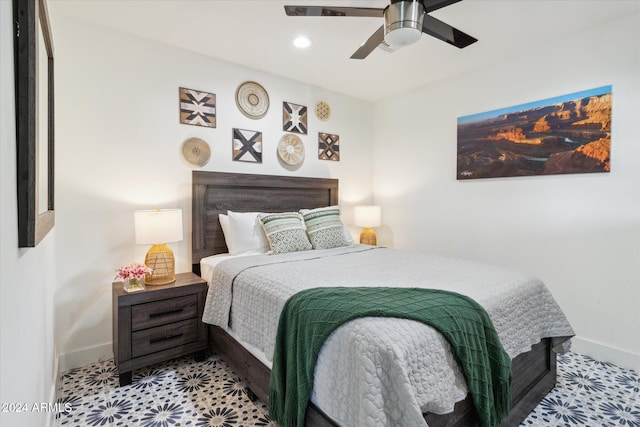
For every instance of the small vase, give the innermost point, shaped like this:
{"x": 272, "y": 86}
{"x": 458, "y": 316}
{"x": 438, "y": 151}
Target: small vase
{"x": 134, "y": 285}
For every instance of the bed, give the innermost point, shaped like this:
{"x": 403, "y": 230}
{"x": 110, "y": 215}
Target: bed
{"x": 533, "y": 371}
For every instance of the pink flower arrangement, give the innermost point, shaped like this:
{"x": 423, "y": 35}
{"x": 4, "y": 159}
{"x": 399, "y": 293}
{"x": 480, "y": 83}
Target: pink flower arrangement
{"x": 133, "y": 271}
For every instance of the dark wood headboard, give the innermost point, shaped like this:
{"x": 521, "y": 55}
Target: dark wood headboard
{"x": 217, "y": 192}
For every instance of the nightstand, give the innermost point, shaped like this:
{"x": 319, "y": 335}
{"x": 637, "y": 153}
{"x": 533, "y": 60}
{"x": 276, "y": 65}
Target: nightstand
{"x": 160, "y": 323}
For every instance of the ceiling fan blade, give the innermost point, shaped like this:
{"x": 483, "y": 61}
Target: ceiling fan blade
{"x": 333, "y": 11}
{"x": 445, "y": 32}
{"x": 431, "y": 5}
{"x": 368, "y": 46}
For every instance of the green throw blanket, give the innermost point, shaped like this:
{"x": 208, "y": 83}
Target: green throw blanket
{"x": 310, "y": 316}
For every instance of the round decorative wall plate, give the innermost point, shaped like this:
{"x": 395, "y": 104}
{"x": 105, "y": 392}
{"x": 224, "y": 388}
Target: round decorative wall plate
{"x": 323, "y": 111}
{"x": 252, "y": 100}
{"x": 196, "y": 152}
{"x": 291, "y": 149}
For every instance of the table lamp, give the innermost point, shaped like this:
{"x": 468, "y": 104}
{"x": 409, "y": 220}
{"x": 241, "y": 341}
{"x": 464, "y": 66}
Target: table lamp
{"x": 367, "y": 217}
{"x": 158, "y": 227}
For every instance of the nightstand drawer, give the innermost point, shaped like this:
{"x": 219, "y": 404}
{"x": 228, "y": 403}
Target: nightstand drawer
{"x": 163, "y": 337}
{"x": 158, "y": 313}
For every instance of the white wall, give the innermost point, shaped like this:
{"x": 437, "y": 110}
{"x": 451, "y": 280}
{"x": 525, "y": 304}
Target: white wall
{"x": 27, "y": 354}
{"x": 579, "y": 233}
{"x": 118, "y": 141}
{"x": 118, "y": 150}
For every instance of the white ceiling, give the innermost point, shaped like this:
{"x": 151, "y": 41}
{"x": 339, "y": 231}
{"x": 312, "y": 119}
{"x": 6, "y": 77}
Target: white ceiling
{"x": 258, "y": 34}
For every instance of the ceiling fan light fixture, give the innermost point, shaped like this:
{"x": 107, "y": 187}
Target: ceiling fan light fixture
{"x": 402, "y": 37}
{"x": 403, "y": 23}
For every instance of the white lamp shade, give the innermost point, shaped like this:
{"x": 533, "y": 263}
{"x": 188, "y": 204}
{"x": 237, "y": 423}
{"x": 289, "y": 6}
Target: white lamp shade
{"x": 158, "y": 226}
{"x": 367, "y": 216}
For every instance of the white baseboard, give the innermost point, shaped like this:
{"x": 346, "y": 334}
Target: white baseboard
{"x": 53, "y": 394}
{"x": 605, "y": 353}
{"x": 84, "y": 356}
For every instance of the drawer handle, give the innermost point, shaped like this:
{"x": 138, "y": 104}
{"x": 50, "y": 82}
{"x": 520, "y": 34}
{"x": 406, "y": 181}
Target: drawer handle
{"x": 165, "y": 338}
{"x": 166, "y": 313}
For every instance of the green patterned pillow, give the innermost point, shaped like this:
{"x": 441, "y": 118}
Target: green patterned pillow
{"x": 285, "y": 232}
{"x": 324, "y": 228}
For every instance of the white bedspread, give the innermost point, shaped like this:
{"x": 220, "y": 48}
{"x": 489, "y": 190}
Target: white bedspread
{"x": 375, "y": 371}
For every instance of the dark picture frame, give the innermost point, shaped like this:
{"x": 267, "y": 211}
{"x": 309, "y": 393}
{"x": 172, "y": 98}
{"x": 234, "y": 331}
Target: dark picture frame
{"x": 34, "y": 94}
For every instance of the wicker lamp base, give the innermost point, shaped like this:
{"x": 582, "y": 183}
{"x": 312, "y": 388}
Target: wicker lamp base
{"x": 368, "y": 237}
{"x": 160, "y": 258}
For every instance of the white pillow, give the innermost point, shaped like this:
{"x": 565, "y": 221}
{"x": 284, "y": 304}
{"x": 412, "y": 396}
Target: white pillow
{"x": 347, "y": 235}
{"x": 224, "y": 223}
{"x": 246, "y": 234}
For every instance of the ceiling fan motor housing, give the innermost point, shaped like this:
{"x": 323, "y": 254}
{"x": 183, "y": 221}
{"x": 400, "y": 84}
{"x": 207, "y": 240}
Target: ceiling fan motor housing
{"x": 403, "y": 22}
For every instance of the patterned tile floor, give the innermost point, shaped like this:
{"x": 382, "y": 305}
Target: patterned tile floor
{"x": 589, "y": 393}
{"x": 185, "y": 393}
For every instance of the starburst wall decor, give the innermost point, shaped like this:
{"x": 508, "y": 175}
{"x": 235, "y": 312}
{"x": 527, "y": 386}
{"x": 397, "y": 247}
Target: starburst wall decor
{"x": 294, "y": 118}
{"x": 247, "y": 146}
{"x": 328, "y": 146}
{"x": 197, "y": 108}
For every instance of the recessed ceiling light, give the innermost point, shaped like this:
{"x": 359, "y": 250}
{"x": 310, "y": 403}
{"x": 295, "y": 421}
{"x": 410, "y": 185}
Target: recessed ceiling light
{"x": 301, "y": 42}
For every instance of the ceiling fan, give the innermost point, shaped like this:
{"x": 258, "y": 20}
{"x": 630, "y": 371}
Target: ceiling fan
{"x": 404, "y": 23}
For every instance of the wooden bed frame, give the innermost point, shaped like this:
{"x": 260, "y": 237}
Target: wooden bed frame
{"x": 534, "y": 372}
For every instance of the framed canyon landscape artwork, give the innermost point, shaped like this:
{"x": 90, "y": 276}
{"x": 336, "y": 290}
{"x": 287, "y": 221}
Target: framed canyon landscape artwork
{"x": 566, "y": 134}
